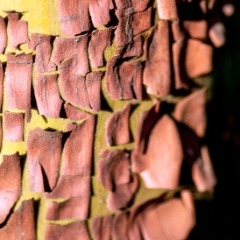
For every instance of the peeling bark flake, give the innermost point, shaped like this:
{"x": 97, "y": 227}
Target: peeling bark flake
{"x": 47, "y": 95}
{"x": 43, "y": 159}
{"x": 10, "y": 184}
{"x": 13, "y": 126}
{"x": 18, "y": 82}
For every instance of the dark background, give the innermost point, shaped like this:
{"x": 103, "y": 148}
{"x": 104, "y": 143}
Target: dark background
{"x": 219, "y": 218}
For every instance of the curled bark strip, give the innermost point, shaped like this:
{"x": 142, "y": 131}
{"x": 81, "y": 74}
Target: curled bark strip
{"x": 18, "y": 82}
{"x": 73, "y": 231}
{"x": 77, "y": 151}
{"x": 13, "y": 126}
{"x": 101, "y": 227}
{"x": 124, "y": 31}
{"x": 117, "y": 127}
{"x": 18, "y": 29}
{"x": 124, "y": 81}
{"x": 73, "y": 113}
{"x": 72, "y": 87}
{"x": 21, "y": 224}
{"x": 113, "y": 168}
{"x": 76, "y": 48}
{"x": 158, "y": 152}
{"x": 44, "y": 153}
{"x": 122, "y": 195}
{"x": 100, "y": 39}
{"x": 3, "y": 34}
{"x": 10, "y": 183}
{"x": 133, "y": 49}
{"x": 157, "y": 71}
{"x": 47, "y": 95}
{"x": 43, "y": 53}
{"x": 155, "y": 219}
{"x": 93, "y": 85}
{"x": 191, "y": 112}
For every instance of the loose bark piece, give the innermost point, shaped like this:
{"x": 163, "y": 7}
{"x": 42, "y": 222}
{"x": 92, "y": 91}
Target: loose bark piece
{"x": 69, "y": 186}
{"x": 157, "y": 71}
{"x": 44, "y": 153}
{"x": 47, "y": 95}
{"x": 78, "y": 148}
{"x": 3, "y": 34}
{"x": 141, "y": 21}
{"x": 113, "y": 168}
{"x": 93, "y": 85}
{"x": 72, "y": 87}
{"x": 21, "y": 224}
{"x": 173, "y": 219}
{"x": 203, "y": 173}
{"x": 73, "y": 231}
{"x": 43, "y": 54}
{"x": 158, "y": 150}
{"x": 73, "y": 113}
{"x": 180, "y": 76}
{"x": 120, "y": 224}
{"x": 10, "y": 183}
{"x": 100, "y": 39}
{"x": 124, "y": 32}
{"x": 146, "y": 123}
{"x": 123, "y": 194}
{"x": 112, "y": 82}
{"x": 13, "y": 126}
{"x": 217, "y": 34}
{"x": 1, "y": 85}
{"x": 130, "y": 25}
{"x": 167, "y": 9}
{"x": 101, "y": 227}
{"x": 124, "y": 81}
{"x": 191, "y": 112}
{"x": 72, "y": 47}
{"x": 76, "y": 207}
{"x": 37, "y": 39}
{"x": 74, "y": 16}
{"x": 100, "y": 12}
{"x": 18, "y": 29}
{"x": 198, "y": 58}
{"x": 18, "y": 82}
{"x": 196, "y": 29}
{"x": 117, "y": 127}
{"x": 130, "y": 74}
{"x": 163, "y": 156}
{"x": 133, "y": 49}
